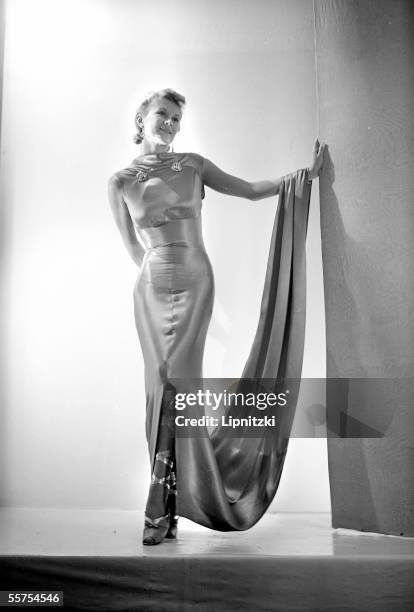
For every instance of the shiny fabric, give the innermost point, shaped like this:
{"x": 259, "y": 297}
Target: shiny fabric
{"x": 223, "y": 482}
{"x": 173, "y": 302}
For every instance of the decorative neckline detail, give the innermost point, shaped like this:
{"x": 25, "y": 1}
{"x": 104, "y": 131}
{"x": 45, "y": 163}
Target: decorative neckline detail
{"x": 147, "y": 163}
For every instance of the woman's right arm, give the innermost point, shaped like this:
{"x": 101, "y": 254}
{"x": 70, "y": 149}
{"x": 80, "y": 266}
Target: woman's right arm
{"x": 123, "y": 220}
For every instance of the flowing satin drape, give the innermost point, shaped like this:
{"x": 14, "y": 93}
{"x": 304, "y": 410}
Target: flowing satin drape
{"x": 227, "y": 483}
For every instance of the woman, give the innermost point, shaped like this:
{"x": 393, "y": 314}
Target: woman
{"x": 159, "y": 198}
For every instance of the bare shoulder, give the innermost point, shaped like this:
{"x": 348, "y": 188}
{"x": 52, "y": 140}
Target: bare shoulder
{"x": 116, "y": 181}
{"x": 116, "y": 188}
{"x": 116, "y": 184}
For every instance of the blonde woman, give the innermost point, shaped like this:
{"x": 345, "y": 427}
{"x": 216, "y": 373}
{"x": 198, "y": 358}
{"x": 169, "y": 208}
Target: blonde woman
{"x": 159, "y": 198}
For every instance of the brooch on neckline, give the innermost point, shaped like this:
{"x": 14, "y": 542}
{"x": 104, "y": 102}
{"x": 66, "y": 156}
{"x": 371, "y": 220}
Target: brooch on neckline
{"x": 176, "y": 166}
{"x": 143, "y": 175}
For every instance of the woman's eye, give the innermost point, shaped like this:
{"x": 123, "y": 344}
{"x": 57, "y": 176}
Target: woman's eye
{"x": 175, "y": 119}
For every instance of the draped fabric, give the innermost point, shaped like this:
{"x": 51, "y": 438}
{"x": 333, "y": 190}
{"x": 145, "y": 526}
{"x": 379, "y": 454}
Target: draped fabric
{"x": 223, "y": 482}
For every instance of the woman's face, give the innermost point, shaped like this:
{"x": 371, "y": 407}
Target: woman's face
{"x": 161, "y": 121}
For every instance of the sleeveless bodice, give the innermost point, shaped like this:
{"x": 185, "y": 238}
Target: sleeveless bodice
{"x": 160, "y": 190}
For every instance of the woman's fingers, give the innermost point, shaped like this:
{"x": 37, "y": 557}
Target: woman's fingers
{"x": 317, "y": 157}
{"x": 321, "y": 149}
{"x": 320, "y": 155}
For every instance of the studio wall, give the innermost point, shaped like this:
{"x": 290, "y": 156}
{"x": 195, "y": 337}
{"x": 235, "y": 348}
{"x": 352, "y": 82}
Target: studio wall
{"x": 72, "y": 420}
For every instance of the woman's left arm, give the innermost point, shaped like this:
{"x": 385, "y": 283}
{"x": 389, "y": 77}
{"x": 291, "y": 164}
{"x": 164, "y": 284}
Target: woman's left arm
{"x": 220, "y": 181}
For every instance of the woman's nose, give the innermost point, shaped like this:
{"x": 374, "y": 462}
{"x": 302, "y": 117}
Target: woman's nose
{"x": 169, "y": 121}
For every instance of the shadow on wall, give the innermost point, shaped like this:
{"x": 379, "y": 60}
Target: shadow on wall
{"x": 370, "y": 394}
{"x": 335, "y": 239}
{"x": 366, "y": 348}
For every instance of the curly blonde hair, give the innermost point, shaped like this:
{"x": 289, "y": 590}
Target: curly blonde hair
{"x": 168, "y": 94}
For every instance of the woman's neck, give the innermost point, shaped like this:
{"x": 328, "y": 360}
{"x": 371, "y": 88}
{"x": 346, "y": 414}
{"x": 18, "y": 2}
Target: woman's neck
{"x": 147, "y": 148}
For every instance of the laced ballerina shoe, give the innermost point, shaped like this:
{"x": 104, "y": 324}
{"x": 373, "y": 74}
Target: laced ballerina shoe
{"x": 155, "y": 530}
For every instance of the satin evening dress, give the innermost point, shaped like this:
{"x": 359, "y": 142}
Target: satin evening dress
{"x": 222, "y": 482}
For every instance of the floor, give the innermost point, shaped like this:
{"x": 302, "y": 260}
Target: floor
{"x": 285, "y": 563}
{"x": 118, "y": 533}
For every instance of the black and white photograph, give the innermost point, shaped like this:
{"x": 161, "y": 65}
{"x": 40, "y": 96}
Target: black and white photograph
{"x": 206, "y": 290}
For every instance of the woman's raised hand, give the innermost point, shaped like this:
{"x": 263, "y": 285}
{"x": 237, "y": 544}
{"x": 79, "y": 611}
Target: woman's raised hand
{"x": 317, "y": 159}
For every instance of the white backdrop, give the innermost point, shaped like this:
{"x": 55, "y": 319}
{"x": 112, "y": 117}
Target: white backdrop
{"x": 72, "y": 421}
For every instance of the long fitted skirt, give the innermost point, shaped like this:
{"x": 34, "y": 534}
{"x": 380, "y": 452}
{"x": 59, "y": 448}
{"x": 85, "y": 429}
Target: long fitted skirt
{"x": 173, "y": 301}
